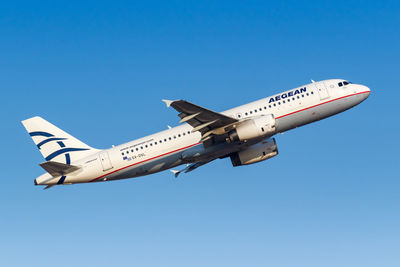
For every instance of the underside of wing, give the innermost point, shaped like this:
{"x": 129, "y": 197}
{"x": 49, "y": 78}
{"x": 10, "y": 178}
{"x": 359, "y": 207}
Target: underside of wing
{"x": 190, "y": 167}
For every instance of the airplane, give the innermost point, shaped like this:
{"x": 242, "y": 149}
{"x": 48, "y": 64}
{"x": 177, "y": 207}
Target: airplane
{"x": 244, "y": 134}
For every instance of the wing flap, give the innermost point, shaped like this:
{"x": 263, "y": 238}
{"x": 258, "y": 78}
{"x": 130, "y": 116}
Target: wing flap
{"x": 201, "y": 119}
{"x": 185, "y": 117}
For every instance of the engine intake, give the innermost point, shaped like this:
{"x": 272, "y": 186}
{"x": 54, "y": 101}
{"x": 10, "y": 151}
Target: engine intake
{"x": 262, "y": 126}
{"x": 255, "y": 153}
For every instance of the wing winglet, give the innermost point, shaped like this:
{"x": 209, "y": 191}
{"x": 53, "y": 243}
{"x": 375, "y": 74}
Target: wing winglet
{"x": 167, "y": 102}
{"x": 176, "y": 173}
{"x": 190, "y": 167}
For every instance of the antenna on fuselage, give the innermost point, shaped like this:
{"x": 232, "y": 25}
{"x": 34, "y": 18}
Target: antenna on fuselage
{"x": 312, "y": 81}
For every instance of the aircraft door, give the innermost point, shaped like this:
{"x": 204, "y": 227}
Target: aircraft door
{"x": 105, "y": 161}
{"x": 322, "y": 90}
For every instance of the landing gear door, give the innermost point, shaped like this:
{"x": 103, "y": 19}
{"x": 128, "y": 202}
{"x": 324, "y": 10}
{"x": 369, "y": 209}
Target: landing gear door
{"x": 105, "y": 161}
{"x": 322, "y": 90}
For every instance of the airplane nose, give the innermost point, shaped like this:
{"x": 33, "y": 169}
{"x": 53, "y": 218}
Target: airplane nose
{"x": 365, "y": 91}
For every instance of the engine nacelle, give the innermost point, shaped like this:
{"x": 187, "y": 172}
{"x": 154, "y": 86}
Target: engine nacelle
{"x": 255, "y": 153}
{"x": 263, "y": 126}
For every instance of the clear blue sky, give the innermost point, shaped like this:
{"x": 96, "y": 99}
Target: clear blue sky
{"x": 99, "y": 70}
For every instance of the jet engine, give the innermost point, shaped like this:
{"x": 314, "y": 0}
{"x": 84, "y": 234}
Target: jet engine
{"x": 262, "y": 126}
{"x": 255, "y": 153}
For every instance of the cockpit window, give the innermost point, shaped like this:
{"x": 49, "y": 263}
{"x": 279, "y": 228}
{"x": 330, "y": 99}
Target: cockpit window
{"x": 344, "y": 83}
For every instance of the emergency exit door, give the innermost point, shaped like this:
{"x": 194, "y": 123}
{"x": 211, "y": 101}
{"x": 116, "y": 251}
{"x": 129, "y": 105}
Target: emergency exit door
{"x": 105, "y": 161}
{"x": 322, "y": 90}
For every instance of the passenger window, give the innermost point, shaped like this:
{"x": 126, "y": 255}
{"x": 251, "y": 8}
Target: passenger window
{"x": 274, "y": 105}
{"x": 283, "y": 101}
{"x": 179, "y": 135}
{"x": 260, "y": 109}
{"x": 279, "y": 103}
{"x": 255, "y": 111}
{"x": 245, "y": 113}
{"x": 312, "y": 92}
{"x": 122, "y": 154}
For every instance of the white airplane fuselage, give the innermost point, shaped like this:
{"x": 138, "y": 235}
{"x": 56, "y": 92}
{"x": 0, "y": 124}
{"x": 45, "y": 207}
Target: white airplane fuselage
{"x": 179, "y": 145}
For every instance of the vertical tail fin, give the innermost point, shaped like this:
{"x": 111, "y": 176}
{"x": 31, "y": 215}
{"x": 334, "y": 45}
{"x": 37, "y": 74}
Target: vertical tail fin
{"x": 55, "y": 144}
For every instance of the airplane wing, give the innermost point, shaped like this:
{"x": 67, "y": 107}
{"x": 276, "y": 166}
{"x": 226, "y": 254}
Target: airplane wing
{"x": 190, "y": 167}
{"x": 201, "y": 119}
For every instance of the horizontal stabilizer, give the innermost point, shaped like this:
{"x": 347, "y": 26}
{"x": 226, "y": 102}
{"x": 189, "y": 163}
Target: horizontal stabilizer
{"x": 48, "y": 187}
{"x": 58, "y": 169}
